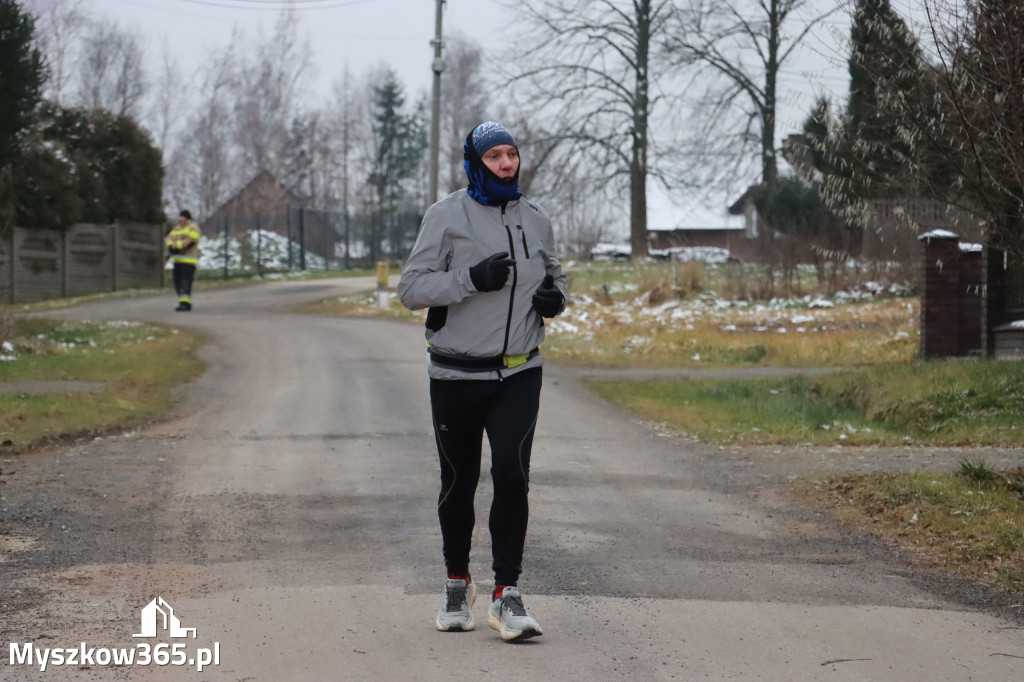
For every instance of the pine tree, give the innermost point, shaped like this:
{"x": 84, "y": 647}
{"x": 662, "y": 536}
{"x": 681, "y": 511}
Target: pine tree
{"x": 816, "y": 133}
{"x": 398, "y": 147}
{"x": 22, "y": 73}
{"x": 885, "y": 62}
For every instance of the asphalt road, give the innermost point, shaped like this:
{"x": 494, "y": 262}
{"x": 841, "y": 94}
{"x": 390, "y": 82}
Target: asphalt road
{"x": 287, "y": 513}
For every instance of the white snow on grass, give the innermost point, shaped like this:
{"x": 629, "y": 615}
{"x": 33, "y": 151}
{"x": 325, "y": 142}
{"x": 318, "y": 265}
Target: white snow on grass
{"x": 778, "y": 316}
{"x": 263, "y": 250}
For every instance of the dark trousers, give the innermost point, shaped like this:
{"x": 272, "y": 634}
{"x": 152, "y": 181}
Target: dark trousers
{"x": 507, "y": 412}
{"x": 184, "y": 273}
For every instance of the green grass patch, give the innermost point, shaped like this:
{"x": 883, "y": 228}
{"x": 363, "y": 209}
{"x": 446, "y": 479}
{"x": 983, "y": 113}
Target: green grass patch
{"x": 955, "y": 403}
{"x": 138, "y": 364}
{"x": 952, "y": 522}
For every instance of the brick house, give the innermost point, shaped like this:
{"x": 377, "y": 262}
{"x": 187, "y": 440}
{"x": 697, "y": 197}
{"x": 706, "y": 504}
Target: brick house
{"x": 262, "y": 202}
{"x": 265, "y": 204}
{"x": 734, "y": 239}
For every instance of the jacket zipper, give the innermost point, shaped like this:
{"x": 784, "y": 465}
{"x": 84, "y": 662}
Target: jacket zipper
{"x": 522, "y": 235}
{"x": 515, "y": 279}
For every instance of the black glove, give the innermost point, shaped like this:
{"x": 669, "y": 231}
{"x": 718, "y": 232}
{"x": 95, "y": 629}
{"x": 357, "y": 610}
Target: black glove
{"x": 491, "y": 273}
{"x": 548, "y": 300}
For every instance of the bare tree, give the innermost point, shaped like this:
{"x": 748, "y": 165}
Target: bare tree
{"x": 129, "y": 83}
{"x": 346, "y": 132}
{"x": 111, "y": 69}
{"x": 267, "y": 96}
{"x": 59, "y": 25}
{"x": 311, "y": 162}
{"x": 463, "y": 104}
{"x": 580, "y": 218}
{"x": 166, "y": 109}
{"x": 211, "y": 129}
{"x": 733, "y": 51}
{"x": 98, "y": 54}
{"x": 199, "y": 169}
{"x": 594, "y": 73}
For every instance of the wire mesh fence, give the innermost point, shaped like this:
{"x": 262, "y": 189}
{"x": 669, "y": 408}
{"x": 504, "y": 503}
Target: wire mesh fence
{"x": 303, "y": 239}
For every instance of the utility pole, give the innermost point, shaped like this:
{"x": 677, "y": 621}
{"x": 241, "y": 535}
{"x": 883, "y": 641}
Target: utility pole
{"x": 435, "y": 114}
{"x": 346, "y": 125}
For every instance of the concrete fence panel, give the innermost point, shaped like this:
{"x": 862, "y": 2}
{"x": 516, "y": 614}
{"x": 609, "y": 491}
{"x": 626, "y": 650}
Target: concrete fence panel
{"x": 89, "y": 254}
{"x": 83, "y": 259}
{"x": 38, "y": 265}
{"x": 139, "y": 250}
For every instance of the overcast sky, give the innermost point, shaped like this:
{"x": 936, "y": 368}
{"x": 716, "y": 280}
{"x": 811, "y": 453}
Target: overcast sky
{"x": 366, "y": 33}
{"x": 362, "y": 33}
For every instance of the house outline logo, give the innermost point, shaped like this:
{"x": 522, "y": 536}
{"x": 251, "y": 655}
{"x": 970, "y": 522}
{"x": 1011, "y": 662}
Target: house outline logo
{"x": 151, "y": 613}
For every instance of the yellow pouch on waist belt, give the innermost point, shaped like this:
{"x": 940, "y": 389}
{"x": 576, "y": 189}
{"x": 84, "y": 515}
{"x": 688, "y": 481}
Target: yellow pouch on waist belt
{"x": 515, "y": 360}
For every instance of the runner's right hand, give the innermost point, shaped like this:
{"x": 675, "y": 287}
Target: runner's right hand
{"x": 491, "y": 273}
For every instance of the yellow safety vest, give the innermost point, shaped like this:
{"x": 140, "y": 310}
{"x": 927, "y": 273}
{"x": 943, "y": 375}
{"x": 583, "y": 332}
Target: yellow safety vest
{"x": 185, "y": 239}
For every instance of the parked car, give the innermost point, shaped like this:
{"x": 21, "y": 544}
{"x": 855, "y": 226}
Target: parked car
{"x": 695, "y": 254}
{"x": 611, "y": 252}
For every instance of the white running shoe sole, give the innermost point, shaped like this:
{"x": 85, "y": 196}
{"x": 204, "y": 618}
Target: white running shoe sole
{"x": 511, "y": 635}
{"x": 470, "y": 624}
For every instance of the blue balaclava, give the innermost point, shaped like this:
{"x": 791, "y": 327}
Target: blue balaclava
{"x": 484, "y": 186}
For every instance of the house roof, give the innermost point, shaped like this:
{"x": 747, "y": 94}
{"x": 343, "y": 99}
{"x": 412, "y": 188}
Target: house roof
{"x": 738, "y": 207}
{"x": 261, "y": 177}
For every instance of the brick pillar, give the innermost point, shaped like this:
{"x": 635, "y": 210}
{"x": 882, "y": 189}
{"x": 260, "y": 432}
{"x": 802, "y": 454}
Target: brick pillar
{"x": 940, "y": 296}
{"x": 995, "y": 291}
{"x": 972, "y": 300}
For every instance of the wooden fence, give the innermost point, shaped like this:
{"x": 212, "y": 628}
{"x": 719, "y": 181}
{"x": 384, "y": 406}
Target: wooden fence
{"x": 83, "y": 259}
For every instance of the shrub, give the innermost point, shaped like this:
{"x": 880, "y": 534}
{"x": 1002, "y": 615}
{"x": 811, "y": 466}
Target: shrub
{"x": 101, "y": 167}
{"x": 976, "y": 470}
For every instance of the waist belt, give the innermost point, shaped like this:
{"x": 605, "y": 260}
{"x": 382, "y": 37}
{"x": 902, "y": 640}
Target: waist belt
{"x": 492, "y": 364}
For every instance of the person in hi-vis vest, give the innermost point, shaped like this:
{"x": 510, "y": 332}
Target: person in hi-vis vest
{"x": 183, "y": 248}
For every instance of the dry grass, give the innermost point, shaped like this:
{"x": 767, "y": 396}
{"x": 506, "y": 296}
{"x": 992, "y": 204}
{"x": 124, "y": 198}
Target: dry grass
{"x": 954, "y": 523}
{"x": 668, "y": 315}
{"x": 700, "y": 315}
{"x": 709, "y": 333}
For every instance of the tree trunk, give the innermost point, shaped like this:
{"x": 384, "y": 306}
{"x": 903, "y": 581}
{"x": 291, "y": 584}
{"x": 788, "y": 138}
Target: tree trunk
{"x": 638, "y": 162}
{"x": 769, "y": 169}
{"x": 638, "y": 208}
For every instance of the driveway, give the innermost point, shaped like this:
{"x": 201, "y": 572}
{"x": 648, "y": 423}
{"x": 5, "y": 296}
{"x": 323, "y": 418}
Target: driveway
{"x": 287, "y": 513}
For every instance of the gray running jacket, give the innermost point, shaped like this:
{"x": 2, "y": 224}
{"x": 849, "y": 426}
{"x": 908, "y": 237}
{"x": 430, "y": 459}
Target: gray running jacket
{"x": 457, "y": 233}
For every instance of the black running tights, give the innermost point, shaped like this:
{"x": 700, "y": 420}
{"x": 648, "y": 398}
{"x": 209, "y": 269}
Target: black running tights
{"x": 507, "y": 412}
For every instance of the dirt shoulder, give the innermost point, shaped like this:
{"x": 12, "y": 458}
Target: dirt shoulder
{"x": 794, "y": 461}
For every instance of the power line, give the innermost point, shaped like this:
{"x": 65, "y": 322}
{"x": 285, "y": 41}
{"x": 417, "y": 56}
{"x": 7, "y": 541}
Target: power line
{"x": 276, "y": 5}
{"x": 275, "y": 2}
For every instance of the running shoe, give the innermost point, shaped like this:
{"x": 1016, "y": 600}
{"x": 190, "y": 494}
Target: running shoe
{"x": 456, "y": 614}
{"x": 508, "y": 616}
